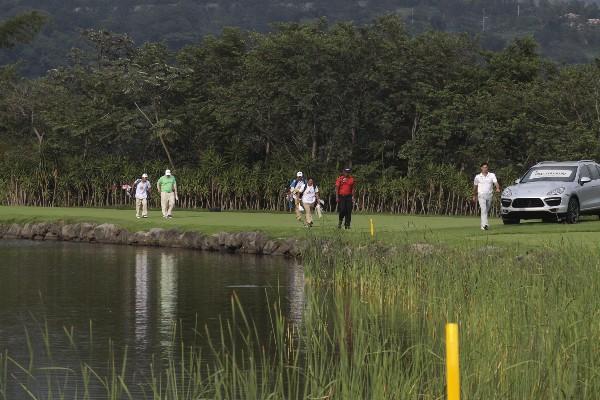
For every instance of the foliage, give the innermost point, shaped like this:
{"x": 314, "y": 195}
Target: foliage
{"x": 236, "y": 116}
{"x": 20, "y": 29}
{"x": 566, "y": 30}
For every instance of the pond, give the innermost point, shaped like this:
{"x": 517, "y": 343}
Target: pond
{"x": 64, "y": 304}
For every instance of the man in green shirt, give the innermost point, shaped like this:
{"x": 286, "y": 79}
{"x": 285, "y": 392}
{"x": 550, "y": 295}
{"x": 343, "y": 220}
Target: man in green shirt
{"x": 167, "y": 186}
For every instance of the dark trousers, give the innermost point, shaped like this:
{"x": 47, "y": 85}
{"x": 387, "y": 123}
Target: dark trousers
{"x": 345, "y": 210}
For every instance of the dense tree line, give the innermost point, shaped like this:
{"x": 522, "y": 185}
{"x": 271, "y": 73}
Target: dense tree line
{"x": 238, "y": 114}
{"x": 178, "y": 23}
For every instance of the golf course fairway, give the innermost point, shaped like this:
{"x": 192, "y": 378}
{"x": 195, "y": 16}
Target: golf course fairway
{"x": 387, "y": 228}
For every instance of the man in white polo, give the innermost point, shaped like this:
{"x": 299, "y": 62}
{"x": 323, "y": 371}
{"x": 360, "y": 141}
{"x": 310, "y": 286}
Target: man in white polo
{"x": 483, "y": 190}
{"x": 142, "y": 190}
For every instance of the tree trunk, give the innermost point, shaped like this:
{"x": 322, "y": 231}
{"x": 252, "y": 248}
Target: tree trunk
{"x": 353, "y": 141}
{"x": 314, "y": 142}
{"x": 160, "y": 135}
{"x": 164, "y": 145}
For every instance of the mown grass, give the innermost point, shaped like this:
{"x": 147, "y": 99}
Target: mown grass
{"x": 388, "y": 228}
{"x": 373, "y": 329}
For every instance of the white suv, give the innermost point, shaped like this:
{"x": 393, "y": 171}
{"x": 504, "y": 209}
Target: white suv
{"x": 553, "y": 191}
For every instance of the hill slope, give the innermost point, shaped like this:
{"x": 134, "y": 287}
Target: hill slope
{"x": 566, "y": 30}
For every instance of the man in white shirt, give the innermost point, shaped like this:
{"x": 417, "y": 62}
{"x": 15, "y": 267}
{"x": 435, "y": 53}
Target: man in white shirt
{"x": 483, "y": 190}
{"x": 142, "y": 190}
{"x": 310, "y": 197}
{"x": 297, "y": 188}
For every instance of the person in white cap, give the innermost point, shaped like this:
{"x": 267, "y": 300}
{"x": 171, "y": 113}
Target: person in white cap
{"x": 167, "y": 186}
{"x": 142, "y": 189}
{"x": 297, "y": 188}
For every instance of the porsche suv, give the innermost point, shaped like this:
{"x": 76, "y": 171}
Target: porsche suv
{"x": 553, "y": 191}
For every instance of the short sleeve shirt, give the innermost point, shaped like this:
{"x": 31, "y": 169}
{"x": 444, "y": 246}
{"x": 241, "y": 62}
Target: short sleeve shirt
{"x": 485, "y": 183}
{"x": 344, "y": 185}
{"x": 166, "y": 183}
{"x": 300, "y": 185}
{"x": 310, "y": 194}
{"x": 141, "y": 190}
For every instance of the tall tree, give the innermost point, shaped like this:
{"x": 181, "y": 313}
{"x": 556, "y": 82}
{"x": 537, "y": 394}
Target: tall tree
{"x": 20, "y": 29}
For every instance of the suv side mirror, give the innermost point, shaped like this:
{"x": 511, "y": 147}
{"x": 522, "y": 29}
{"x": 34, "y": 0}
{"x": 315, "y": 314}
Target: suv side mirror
{"x": 517, "y": 181}
{"x": 585, "y": 180}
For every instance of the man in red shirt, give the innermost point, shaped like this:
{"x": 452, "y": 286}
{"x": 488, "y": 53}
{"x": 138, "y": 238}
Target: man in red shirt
{"x": 344, "y": 195}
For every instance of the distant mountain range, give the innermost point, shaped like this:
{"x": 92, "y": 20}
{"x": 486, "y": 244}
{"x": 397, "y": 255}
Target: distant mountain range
{"x": 566, "y": 30}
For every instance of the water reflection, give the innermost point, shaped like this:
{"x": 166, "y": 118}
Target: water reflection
{"x": 132, "y": 296}
{"x": 168, "y": 300}
{"x": 142, "y": 299}
{"x": 296, "y": 295}
{"x": 167, "y": 293}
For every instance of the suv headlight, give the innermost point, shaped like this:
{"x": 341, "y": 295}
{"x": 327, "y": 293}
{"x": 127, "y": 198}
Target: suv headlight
{"x": 557, "y": 191}
{"x": 507, "y": 192}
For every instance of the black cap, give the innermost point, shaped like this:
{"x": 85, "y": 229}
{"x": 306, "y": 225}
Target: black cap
{"x": 347, "y": 169}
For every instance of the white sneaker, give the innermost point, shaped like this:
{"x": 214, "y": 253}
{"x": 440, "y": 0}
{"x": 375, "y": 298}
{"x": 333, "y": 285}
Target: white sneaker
{"x": 483, "y": 228}
{"x": 138, "y": 217}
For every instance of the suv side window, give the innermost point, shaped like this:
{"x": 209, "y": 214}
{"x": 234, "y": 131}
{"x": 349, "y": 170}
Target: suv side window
{"x": 584, "y": 172}
{"x": 594, "y": 171}
{"x": 597, "y": 170}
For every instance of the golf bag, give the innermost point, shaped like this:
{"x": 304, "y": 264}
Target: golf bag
{"x": 133, "y": 188}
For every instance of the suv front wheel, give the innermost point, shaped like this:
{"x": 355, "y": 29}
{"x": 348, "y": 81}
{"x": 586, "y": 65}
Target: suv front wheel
{"x": 572, "y": 216}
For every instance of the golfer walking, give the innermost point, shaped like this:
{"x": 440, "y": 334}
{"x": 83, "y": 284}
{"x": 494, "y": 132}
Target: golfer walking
{"x": 142, "y": 189}
{"x": 483, "y": 191}
{"x": 167, "y": 186}
{"x": 344, "y": 196}
{"x": 310, "y": 199}
{"x": 296, "y": 189}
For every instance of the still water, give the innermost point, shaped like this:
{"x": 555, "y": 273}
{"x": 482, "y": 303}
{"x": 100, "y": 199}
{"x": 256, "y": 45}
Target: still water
{"x": 61, "y": 302}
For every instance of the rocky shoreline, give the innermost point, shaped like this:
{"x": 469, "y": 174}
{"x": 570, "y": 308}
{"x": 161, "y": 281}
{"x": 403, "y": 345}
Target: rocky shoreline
{"x": 240, "y": 242}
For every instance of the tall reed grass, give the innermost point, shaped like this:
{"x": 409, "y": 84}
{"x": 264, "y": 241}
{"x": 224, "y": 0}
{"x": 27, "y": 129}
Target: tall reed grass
{"x": 444, "y": 191}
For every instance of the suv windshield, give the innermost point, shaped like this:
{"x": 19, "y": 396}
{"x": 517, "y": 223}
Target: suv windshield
{"x": 550, "y": 174}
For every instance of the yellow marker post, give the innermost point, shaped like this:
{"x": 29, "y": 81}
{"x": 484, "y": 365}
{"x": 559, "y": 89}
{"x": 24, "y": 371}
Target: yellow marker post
{"x": 452, "y": 364}
{"x": 372, "y": 228}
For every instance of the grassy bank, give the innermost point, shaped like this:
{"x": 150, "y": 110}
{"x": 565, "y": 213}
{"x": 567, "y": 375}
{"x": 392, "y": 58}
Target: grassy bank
{"x": 388, "y": 228}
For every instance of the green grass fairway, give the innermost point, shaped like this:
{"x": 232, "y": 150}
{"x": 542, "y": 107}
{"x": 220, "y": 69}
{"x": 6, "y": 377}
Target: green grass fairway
{"x": 388, "y": 228}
